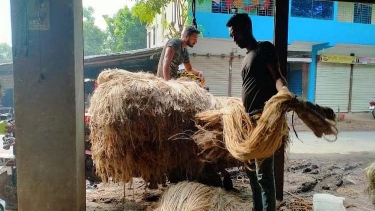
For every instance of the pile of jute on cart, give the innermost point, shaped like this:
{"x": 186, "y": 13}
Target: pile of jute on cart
{"x": 144, "y": 126}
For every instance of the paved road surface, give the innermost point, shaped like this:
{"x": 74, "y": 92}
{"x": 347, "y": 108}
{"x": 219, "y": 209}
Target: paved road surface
{"x": 353, "y": 141}
{"x": 347, "y": 142}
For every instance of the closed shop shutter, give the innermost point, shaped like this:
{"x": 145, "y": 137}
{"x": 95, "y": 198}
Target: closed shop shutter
{"x": 332, "y": 86}
{"x": 236, "y": 76}
{"x": 295, "y": 82}
{"x": 216, "y": 71}
{"x": 363, "y": 81}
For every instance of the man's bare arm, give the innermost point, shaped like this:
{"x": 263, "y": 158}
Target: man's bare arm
{"x": 189, "y": 68}
{"x": 274, "y": 67}
{"x": 169, "y": 52}
{"x": 277, "y": 76}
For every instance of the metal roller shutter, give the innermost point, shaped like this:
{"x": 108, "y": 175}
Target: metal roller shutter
{"x": 295, "y": 82}
{"x": 363, "y": 80}
{"x": 294, "y": 78}
{"x": 332, "y": 86}
{"x": 237, "y": 77}
{"x": 216, "y": 71}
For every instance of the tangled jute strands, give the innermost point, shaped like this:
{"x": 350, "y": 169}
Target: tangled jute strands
{"x": 370, "y": 177}
{"x": 191, "y": 196}
{"x": 230, "y": 129}
{"x": 135, "y": 119}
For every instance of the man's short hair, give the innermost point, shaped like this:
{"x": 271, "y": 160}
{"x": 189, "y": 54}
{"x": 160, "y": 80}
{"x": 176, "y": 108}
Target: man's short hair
{"x": 190, "y": 30}
{"x": 240, "y": 19}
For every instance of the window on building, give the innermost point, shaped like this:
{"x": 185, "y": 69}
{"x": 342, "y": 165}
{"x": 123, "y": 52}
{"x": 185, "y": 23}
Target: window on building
{"x": 174, "y": 12}
{"x": 154, "y": 35}
{"x": 219, "y": 6}
{"x": 149, "y": 39}
{"x": 265, "y": 9}
{"x": 252, "y": 7}
{"x": 362, "y": 13}
{"x": 312, "y": 9}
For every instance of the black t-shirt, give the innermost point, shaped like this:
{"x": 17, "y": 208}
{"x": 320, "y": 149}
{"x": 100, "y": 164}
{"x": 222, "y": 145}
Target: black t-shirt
{"x": 258, "y": 84}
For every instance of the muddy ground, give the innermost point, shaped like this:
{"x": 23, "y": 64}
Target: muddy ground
{"x": 305, "y": 175}
{"x": 340, "y": 175}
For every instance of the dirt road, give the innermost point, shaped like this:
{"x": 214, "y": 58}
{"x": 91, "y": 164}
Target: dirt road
{"x": 306, "y": 174}
{"x": 313, "y": 166}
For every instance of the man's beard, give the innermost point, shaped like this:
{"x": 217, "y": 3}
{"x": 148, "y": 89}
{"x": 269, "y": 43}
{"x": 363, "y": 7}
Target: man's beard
{"x": 242, "y": 43}
{"x": 189, "y": 44}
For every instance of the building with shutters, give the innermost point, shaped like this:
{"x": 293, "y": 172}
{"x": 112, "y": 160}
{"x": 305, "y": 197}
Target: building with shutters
{"x": 136, "y": 60}
{"x": 331, "y": 51}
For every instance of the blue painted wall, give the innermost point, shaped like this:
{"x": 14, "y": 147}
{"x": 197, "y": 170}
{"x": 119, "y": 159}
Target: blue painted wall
{"x": 300, "y": 29}
{"x": 214, "y": 25}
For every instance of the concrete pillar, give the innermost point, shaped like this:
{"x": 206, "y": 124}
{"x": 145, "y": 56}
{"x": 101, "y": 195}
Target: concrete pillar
{"x": 312, "y": 69}
{"x": 281, "y": 44}
{"x": 49, "y": 107}
{"x": 335, "y": 10}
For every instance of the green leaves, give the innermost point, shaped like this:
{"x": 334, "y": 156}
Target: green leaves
{"x": 5, "y": 53}
{"x": 124, "y": 32}
{"x": 147, "y": 10}
{"x": 93, "y": 37}
{"x": 144, "y": 13}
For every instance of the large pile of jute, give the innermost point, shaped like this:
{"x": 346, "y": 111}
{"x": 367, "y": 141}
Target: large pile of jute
{"x": 144, "y": 126}
{"x": 191, "y": 196}
{"x": 141, "y": 125}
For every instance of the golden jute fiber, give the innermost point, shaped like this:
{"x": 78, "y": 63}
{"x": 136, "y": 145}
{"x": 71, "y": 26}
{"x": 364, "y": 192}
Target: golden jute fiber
{"x": 231, "y": 130}
{"x": 140, "y": 124}
{"x": 191, "y": 196}
{"x": 370, "y": 178}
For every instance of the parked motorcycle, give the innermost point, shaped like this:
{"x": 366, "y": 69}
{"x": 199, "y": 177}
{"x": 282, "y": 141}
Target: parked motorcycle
{"x": 9, "y": 137}
{"x": 8, "y": 141}
{"x": 90, "y": 173}
{"x": 372, "y": 107}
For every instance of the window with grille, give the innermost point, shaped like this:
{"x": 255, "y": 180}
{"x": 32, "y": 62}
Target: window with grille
{"x": 219, "y": 6}
{"x": 154, "y": 35}
{"x": 149, "y": 39}
{"x": 265, "y": 9}
{"x": 251, "y": 7}
{"x": 174, "y": 12}
{"x": 362, "y": 13}
{"x": 312, "y": 9}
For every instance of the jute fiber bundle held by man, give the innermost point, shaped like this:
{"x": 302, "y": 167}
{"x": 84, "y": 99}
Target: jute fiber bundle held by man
{"x": 191, "y": 196}
{"x": 230, "y": 129}
{"x": 144, "y": 126}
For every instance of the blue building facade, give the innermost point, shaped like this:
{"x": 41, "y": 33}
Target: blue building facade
{"x": 307, "y": 22}
{"x": 342, "y": 33}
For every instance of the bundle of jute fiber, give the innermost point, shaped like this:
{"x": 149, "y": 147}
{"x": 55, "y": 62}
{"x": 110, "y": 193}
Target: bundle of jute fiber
{"x": 370, "y": 177}
{"x": 230, "y": 129}
{"x": 191, "y": 196}
{"x": 136, "y": 119}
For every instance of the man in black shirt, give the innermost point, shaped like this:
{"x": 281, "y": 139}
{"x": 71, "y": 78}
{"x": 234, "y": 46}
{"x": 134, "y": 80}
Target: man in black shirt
{"x": 261, "y": 80}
